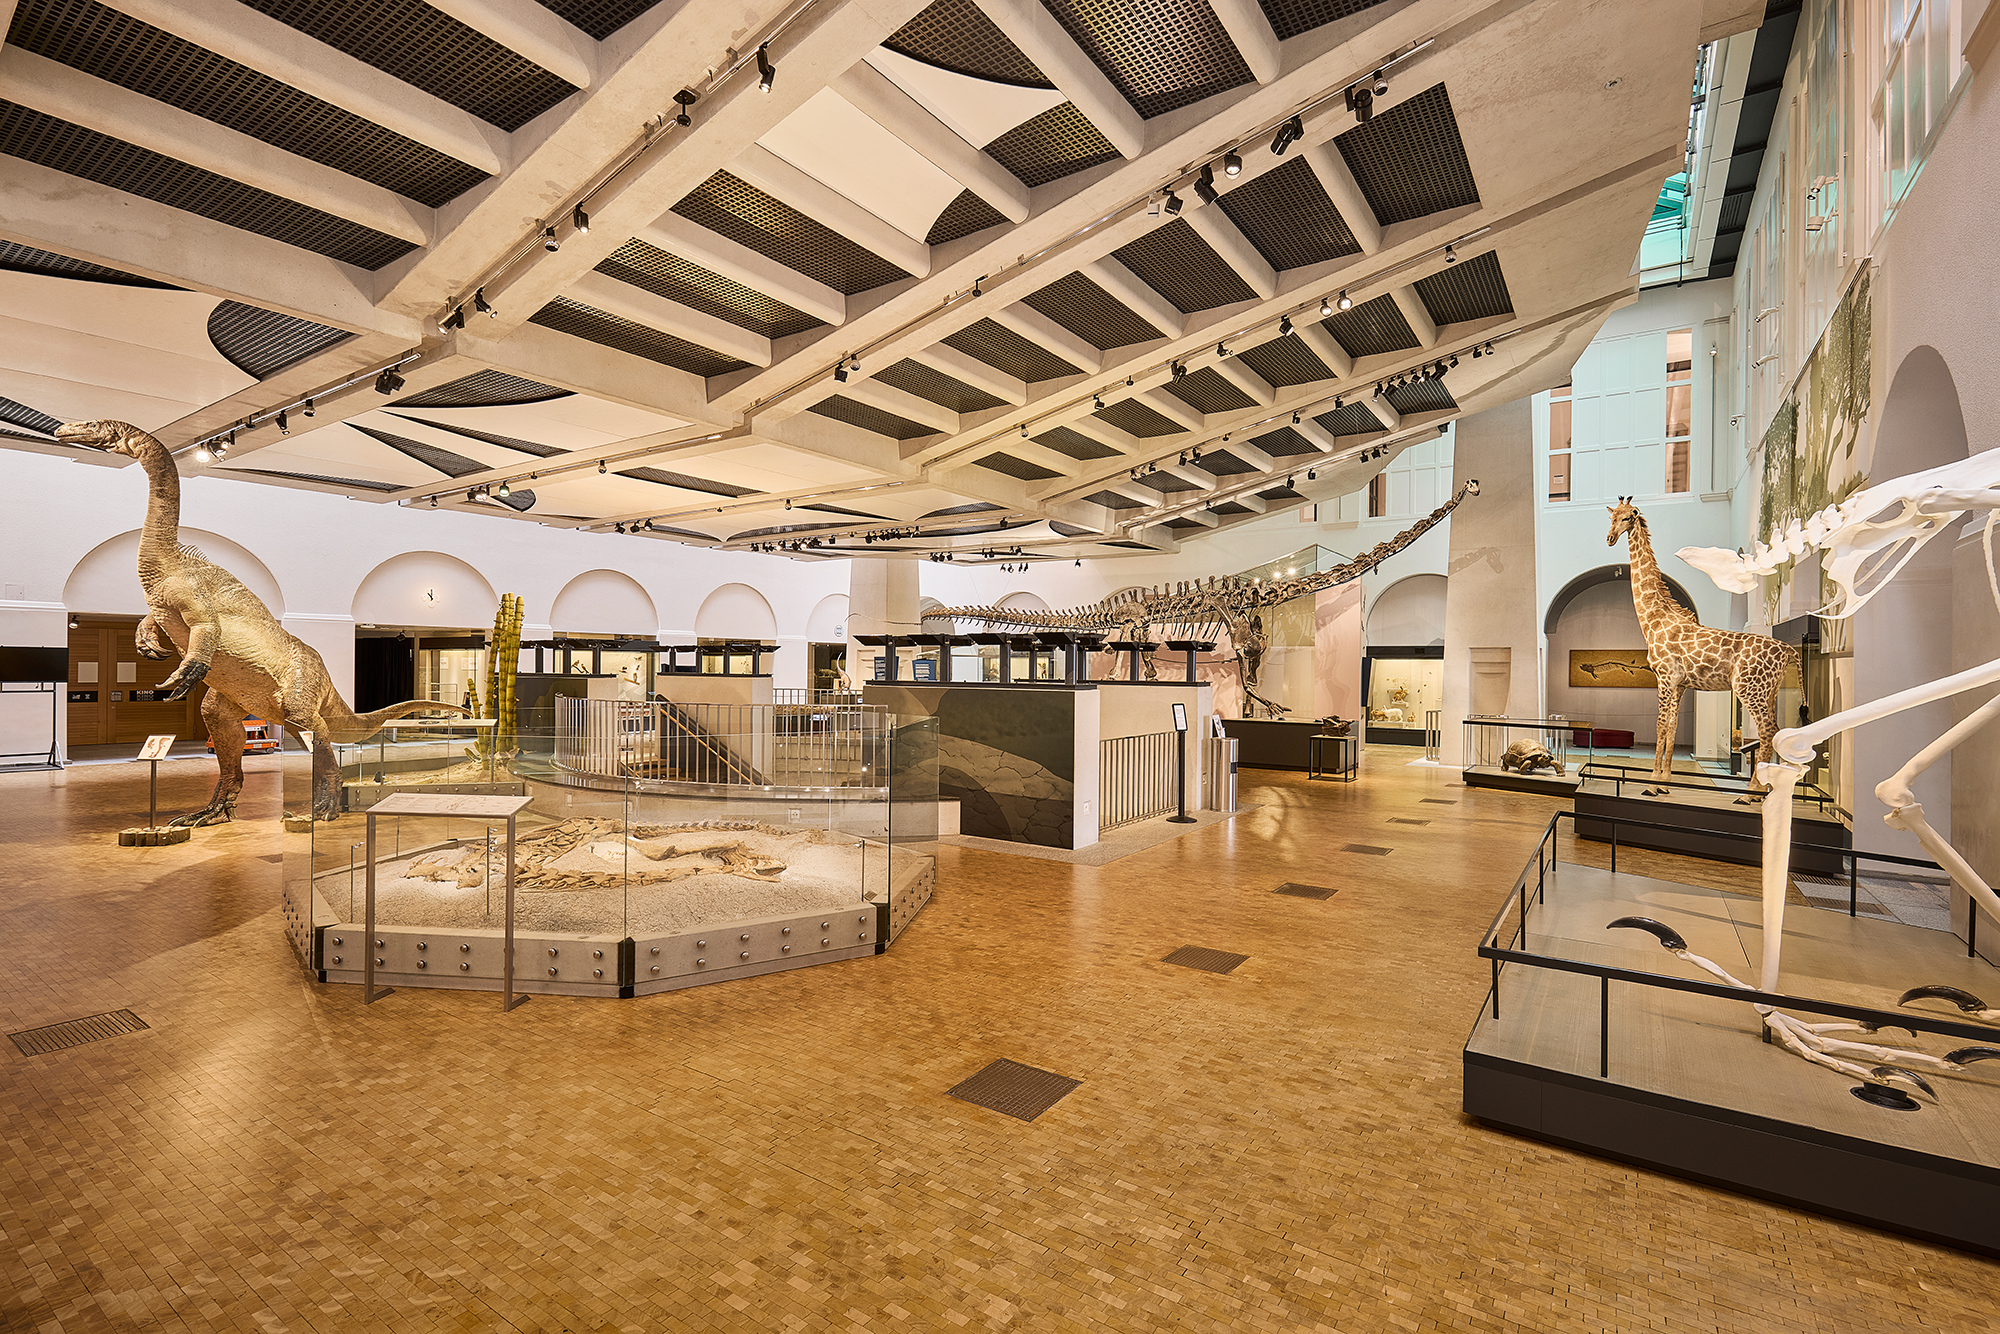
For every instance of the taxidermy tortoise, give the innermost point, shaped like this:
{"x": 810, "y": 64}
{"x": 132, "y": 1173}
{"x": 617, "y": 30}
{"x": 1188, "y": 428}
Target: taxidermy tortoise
{"x": 1528, "y": 756}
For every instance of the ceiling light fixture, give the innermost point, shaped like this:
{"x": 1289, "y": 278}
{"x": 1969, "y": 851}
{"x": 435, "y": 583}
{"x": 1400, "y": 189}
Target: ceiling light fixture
{"x": 1097, "y": 402}
{"x": 309, "y": 407}
{"x": 1362, "y": 103}
{"x": 766, "y": 71}
{"x": 840, "y": 373}
{"x": 504, "y": 490}
{"x": 1346, "y": 302}
{"x": 455, "y": 320}
{"x": 201, "y": 455}
{"x": 1172, "y": 203}
{"x": 579, "y": 219}
{"x": 479, "y": 304}
{"x": 549, "y": 241}
{"x": 388, "y": 382}
{"x": 434, "y": 502}
{"x": 1232, "y": 164}
{"x": 1221, "y": 349}
{"x": 1450, "y": 254}
{"x": 1152, "y": 206}
{"x": 1177, "y": 370}
{"x": 1296, "y": 417}
{"x": 1204, "y": 185}
{"x": 1284, "y": 325}
{"x": 1336, "y": 403}
{"x": 1475, "y": 352}
{"x": 284, "y": 423}
{"x": 1289, "y": 133}
{"x": 1326, "y": 305}
{"x": 687, "y": 97}
{"x": 1381, "y": 84}
{"x": 600, "y": 468}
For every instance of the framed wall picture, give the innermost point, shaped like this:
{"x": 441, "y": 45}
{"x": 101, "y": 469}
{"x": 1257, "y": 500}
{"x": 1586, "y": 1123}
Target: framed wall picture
{"x": 1625, "y": 667}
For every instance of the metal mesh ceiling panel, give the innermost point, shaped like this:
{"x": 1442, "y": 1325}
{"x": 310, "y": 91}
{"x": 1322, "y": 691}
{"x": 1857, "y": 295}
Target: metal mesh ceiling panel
{"x": 581, "y": 321}
{"x": 1135, "y": 418}
{"x": 662, "y": 477}
{"x": 1091, "y": 313}
{"x": 975, "y": 507}
{"x": 120, "y": 49}
{"x": 1073, "y": 444}
{"x": 446, "y": 462}
{"x": 1371, "y": 328}
{"x": 1009, "y": 353}
{"x": 676, "y": 279}
{"x": 1159, "y": 54}
{"x": 1222, "y": 463}
{"x": 262, "y": 342}
{"x": 1473, "y": 289}
{"x": 956, "y": 35}
{"x": 428, "y": 49}
{"x": 1206, "y": 391}
{"x": 1185, "y": 524}
{"x": 1350, "y": 419}
{"x": 944, "y": 390}
{"x": 1113, "y": 500}
{"x": 1048, "y": 147}
{"x": 27, "y": 259}
{"x": 1422, "y": 396}
{"x": 599, "y": 18}
{"x": 1285, "y": 361}
{"x": 749, "y": 217}
{"x": 515, "y": 443}
{"x": 967, "y": 215}
{"x": 352, "y": 483}
{"x": 844, "y": 409}
{"x": 20, "y": 414}
{"x": 1409, "y": 161}
{"x": 484, "y": 389}
{"x": 96, "y": 157}
{"x": 1229, "y": 507}
{"x": 519, "y": 500}
{"x": 1284, "y": 443}
{"x": 1017, "y": 468}
{"x": 1280, "y": 493}
{"x": 1168, "y": 483}
{"x": 1180, "y": 266}
{"x": 1286, "y": 214}
{"x": 1289, "y": 18}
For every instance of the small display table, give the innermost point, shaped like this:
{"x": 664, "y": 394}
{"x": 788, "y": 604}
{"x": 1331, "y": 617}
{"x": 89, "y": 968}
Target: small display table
{"x": 1346, "y": 764}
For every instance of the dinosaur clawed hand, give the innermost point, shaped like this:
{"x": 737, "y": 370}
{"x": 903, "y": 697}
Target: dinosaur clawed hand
{"x": 186, "y": 678}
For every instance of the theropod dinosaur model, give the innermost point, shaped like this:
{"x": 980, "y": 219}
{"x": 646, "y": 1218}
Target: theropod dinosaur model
{"x": 229, "y": 638}
{"x": 1198, "y": 609}
{"x": 1683, "y": 652}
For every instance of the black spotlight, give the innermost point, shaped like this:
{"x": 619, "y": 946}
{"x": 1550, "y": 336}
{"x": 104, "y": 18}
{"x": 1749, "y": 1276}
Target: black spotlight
{"x": 840, "y": 373}
{"x": 1361, "y": 102}
{"x": 309, "y": 407}
{"x": 601, "y": 470}
{"x": 549, "y": 241}
{"x": 284, "y": 423}
{"x": 687, "y": 97}
{"x": 1173, "y": 203}
{"x": 455, "y": 320}
{"x": 1178, "y": 370}
{"x": 1232, "y": 164}
{"x": 1204, "y": 185}
{"x": 388, "y": 382}
{"x": 1284, "y": 326}
{"x": 1450, "y": 254}
{"x": 579, "y": 219}
{"x": 1221, "y": 349}
{"x": 479, "y": 304}
{"x": 1475, "y": 352}
{"x": 766, "y": 71}
{"x": 1289, "y": 133}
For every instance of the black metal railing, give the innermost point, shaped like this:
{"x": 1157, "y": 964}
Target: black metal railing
{"x": 1531, "y": 888}
{"x": 1620, "y": 774}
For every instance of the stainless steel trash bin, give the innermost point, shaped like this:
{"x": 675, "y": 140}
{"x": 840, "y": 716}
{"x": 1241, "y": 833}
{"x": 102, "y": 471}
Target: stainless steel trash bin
{"x": 1218, "y": 786}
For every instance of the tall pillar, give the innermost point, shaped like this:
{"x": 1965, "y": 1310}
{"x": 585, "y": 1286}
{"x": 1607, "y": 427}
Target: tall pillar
{"x": 882, "y": 599}
{"x": 1492, "y": 620}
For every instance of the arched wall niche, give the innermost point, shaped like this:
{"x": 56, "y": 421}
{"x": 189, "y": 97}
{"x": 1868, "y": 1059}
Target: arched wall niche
{"x": 604, "y": 602}
{"x": 828, "y": 622}
{"x": 735, "y": 611}
{"x": 425, "y": 588}
{"x": 1605, "y": 574}
{"x": 1599, "y": 615}
{"x": 1409, "y": 612}
{"x": 106, "y": 581}
{"x": 1022, "y": 601}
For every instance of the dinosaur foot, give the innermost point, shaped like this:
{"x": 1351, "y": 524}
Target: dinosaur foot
{"x": 213, "y": 813}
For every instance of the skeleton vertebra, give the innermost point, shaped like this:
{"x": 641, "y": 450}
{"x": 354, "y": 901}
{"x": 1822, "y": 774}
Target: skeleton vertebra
{"x": 229, "y": 638}
{"x": 1199, "y": 610}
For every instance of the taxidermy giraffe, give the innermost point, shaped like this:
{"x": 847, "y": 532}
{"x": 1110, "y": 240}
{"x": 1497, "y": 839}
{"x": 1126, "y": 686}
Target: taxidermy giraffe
{"x": 225, "y": 635}
{"x": 1685, "y": 653}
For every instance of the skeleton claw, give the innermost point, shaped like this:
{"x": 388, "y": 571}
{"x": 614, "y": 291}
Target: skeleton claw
{"x": 1896, "y": 1074}
{"x": 1967, "y": 1055}
{"x": 1667, "y": 935}
{"x": 1964, "y": 1000}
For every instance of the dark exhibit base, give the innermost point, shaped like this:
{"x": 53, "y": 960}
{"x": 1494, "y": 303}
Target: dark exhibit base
{"x": 1264, "y": 743}
{"x": 1937, "y": 1199}
{"x": 1697, "y": 815}
{"x": 1543, "y": 782}
{"x": 1382, "y": 734}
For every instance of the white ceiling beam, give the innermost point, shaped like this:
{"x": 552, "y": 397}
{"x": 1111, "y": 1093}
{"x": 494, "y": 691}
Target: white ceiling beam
{"x": 670, "y": 317}
{"x": 950, "y": 361}
{"x": 1327, "y": 348}
{"x": 1038, "y": 328}
{"x": 1048, "y": 458}
{"x": 68, "y": 94}
{"x": 1207, "y": 518}
{"x": 1388, "y": 416}
{"x": 1214, "y": 227}
{"x": 289, "y": 56}
{"x": 530, "y": 31}
{"x": 874, "y": 96}
{"x": 1417, "y": 314}
{"x": 760, "y": 167}
{"x": 537, "y": 353}
{"x": 1131, "y": 490}
{"x": 1132, "y": 292}
{"x": 1251, "y": 455}
{"x": 1041, "y": 39}
{"x": 1191, "y": 472}
{"x": 1323, "y": 440}
{"x": 739, "y": 263}
{"x": 1327, "y": 163}
{"x": 1170, "y": 407}
{"x": 1252, "y": 35}
{"x": 1090, "y": 428}
{"x": 1233, "y": 370}
{"x": 904, "y": 404}
{"x": 1251, "y": 501}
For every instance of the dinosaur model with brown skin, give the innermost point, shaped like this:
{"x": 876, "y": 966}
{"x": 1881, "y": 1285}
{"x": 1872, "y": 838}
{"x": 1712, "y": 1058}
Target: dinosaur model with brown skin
{"x": 229, "y": 638}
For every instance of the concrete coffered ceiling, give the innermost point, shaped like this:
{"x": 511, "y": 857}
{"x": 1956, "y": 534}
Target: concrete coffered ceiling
{"x": 925, "y": 289}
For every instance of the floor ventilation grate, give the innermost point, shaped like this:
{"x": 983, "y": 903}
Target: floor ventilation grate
{"x": 1209, "y": 961}
{"x": 1013, "y": 1089}
{"x": 1305, "y": 891}
{"x": 1442, "y": 801}
{"x": 1404, "y": 819}
{"x": 77, "y": 1032}
{"x": 1369, "y": 849}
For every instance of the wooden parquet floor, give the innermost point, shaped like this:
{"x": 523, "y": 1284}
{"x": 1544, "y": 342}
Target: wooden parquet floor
{"x": 1275, "y": 1149}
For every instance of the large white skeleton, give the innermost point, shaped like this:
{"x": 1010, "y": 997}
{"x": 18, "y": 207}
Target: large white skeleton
{"x": 1864, "y": 542}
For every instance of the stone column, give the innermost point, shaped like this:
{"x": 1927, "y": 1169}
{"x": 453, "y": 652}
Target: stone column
{"x": 1492, "y": 613}
{"x": 882, "y": 599}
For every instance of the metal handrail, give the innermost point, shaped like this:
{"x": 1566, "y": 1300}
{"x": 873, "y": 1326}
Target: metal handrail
{"x": 1545, "y": 855}
{"x": 1812, "y": 792}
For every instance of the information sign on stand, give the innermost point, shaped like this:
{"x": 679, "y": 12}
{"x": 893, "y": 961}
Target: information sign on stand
{"x": 152, "y": 836}
{"x": 1180, "y": 767}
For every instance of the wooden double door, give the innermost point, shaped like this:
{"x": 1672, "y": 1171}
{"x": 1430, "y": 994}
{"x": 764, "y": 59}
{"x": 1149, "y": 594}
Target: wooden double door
{"x": 114, "y": 694}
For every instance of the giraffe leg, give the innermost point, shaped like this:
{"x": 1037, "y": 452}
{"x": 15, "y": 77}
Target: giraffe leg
{"x": 1663, "y": 745}
{"x": 224, "y": 720}
{"x": 1764, "y": 710}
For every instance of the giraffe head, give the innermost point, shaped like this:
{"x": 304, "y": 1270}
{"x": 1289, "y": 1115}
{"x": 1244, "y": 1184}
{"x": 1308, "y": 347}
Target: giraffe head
{"x": 1624, "y": 519}
{"x": 112, "y": 437}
